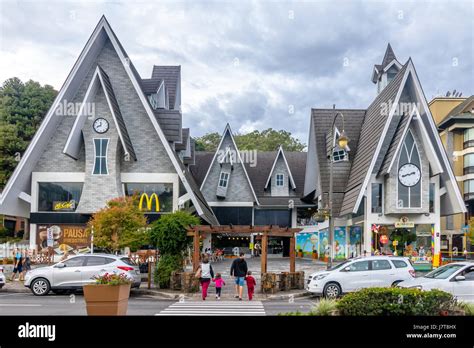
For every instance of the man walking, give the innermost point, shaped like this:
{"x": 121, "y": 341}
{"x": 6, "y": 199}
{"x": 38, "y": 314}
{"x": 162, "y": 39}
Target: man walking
{"x": 239, "y": 271}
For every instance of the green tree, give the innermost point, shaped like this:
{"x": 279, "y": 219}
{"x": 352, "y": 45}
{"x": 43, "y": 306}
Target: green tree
{"x": 22, "y": 106}
{"x": 120, "y": 224}
{"x": 266, "y": 140}
{"x": 168, "y": 234}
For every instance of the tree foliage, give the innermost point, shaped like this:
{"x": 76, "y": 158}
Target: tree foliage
{"x": 168, "y": 234}
{"x": 22, "y": 109}
{"x": 266, "y": 140}
{"x": 120, "y": 224}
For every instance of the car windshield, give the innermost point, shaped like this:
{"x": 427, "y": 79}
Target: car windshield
{"x": 339, "y": 265}
{"x": 443, "y": 272}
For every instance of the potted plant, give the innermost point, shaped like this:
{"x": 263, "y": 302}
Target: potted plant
{"x": 315, "y": 255}
{"x": 300, "y": 252}
{"x": 108, "y": 295}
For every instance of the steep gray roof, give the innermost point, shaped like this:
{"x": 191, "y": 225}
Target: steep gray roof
{"x": 127, "y": 143}
{"x": 191, "y": 160}
{"x": 322, "y": 121}
{"x": 259, "y": 174}
{"x": 170, "y": 122}
{"x": 170, "y": 74}
{"x": 150, "y": 86}
{"x": 458, "y": 113}
{"x": 388, "y": 57}
{"x": 181, "y": 146}
{"x": 371, "y": 132}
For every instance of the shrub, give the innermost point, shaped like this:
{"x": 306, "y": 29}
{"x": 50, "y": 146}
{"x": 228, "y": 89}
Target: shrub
{"x": 467, "y": 308}
{"x": 324, "y": 307}
{"x": 167, "y": 264}
{"x": 396, "y": 301}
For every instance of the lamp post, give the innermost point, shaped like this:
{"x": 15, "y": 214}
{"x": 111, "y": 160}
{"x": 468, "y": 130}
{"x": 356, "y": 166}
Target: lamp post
{"x": 342, "y": 142}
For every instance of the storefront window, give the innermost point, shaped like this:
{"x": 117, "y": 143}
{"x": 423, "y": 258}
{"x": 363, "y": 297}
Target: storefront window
{"x": 304, "y": 216}
{"x": 469, "y": 137}
{"x": 468, "y": 163}
{"x": 469, "y": 189}
{"x": 59, "y": 196}
{"x": 376, "y": 198}
{"x": 409, "y": 196}
{"x": 153, "y": 197}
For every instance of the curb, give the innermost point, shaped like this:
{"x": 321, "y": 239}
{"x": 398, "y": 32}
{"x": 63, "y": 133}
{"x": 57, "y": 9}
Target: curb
{"x": 156, "y": 293}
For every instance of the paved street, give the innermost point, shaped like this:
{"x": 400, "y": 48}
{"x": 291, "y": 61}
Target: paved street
{"x": 28, "y": 304}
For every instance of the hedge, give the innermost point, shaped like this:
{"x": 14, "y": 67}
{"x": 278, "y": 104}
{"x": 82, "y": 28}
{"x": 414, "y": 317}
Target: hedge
{"x": 396, "y": 301}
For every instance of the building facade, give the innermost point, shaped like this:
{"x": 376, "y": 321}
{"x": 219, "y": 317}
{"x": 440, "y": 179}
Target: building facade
{"x": 454, "y": 117}
{"x": 396, "y": 182}
{"x": 109, "y": 133}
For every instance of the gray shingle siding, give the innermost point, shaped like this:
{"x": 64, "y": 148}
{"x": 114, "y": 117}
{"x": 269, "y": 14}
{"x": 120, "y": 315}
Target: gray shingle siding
{"x": 239, "y": 189}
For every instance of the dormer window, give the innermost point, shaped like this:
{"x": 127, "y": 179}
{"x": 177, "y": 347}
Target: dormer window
{"x": 279, "y": 180}
{"x": 224, "y": 179}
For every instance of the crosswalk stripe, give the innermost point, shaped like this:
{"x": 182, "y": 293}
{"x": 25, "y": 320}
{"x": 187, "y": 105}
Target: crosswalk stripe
{"x": 214, "y": 308}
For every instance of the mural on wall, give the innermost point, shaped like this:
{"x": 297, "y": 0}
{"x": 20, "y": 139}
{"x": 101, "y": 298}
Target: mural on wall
{"x": 355, "y": 241}
{"x": 307, "y": 242}
{"x": 340, "y": 242}
{"x": 323, "y": 243}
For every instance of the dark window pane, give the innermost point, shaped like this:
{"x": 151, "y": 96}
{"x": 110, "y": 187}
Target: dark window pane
{"x": 97, "y": 146}
{"x": 399, "y": 263}
{"x": 103, "y": 148}
{"x": 75, "y": 262}
{"x": 97, "y": 165}
{"x": 50, "y": 193}
{"x": 376, "y": 198}
{"x": 164, "y": 192}
{"x": 103, "y": 166}
{"x": 359, "y": 266}
{"x": 380, "y": 264}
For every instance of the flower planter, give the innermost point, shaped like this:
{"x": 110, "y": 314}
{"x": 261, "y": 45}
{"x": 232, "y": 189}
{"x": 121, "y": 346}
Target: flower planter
{"x": 315, "y": 256}
{"x": 300, "y": 254}
{"x": 104, "y": 299}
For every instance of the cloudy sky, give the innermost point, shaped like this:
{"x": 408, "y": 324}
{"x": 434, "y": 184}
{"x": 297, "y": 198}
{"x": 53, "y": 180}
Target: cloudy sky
{"x": 254, "y": 64}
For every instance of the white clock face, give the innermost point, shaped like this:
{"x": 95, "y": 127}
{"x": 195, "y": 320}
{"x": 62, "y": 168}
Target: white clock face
{"x": 409, "y": 175}
{"x": 101, "y": 125}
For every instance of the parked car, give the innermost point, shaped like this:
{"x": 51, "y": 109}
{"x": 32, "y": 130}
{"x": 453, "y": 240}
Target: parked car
{"x": 358, "y": 273}
{"x": 2, "y": 278}
{"x": 79, "y": 270}
{"x": 456, "y": 278}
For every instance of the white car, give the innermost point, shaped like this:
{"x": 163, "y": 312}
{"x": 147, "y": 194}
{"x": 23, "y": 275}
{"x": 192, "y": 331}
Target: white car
{"x": 456, "y": 278}
{"x": 77, "y": 271}
{"x": 359, "y": 273}
{"x": 2, "y": 278}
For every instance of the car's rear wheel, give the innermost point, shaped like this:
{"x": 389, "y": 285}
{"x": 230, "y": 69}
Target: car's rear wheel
{"x": 332, "y": 290}
{"x": 40, "y": 287}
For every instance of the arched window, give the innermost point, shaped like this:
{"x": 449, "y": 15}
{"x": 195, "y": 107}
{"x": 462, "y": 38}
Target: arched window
{"x": 409, "y": 174}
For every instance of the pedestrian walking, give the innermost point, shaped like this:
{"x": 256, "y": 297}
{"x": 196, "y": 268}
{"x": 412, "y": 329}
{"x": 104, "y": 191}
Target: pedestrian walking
{"x": 17, "y": 264}
{"x": 239, "y": 271}
{"x": 219, "y": 284}
{"x": 251, "y": 283}
{"x": 206, "y": 273}
{"x": 26, "y": 264}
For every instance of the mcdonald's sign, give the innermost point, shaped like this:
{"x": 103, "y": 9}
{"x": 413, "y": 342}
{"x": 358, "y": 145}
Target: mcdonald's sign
{"x": 149, "y": 202}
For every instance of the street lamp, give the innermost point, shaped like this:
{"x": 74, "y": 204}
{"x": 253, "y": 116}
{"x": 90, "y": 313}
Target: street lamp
{"x": 342, "y": 142}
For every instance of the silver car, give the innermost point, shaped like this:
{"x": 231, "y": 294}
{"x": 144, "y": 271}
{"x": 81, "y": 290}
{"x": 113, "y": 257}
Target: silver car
{"x": 77, "y": 271}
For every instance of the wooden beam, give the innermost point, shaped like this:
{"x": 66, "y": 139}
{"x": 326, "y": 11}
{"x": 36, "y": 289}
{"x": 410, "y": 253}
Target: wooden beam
{"x": 263, "y": 257}
{"x": 292, "y": 255}
{"x": 196, "y": 251}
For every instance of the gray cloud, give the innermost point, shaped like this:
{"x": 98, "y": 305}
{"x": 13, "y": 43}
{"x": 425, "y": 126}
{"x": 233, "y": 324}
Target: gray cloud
{"x": 250, "y": 63}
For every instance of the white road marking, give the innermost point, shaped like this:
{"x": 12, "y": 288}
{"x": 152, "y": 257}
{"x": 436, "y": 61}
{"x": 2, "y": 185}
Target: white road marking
{"x": 232, "y": 308}
{"x": 19, "y": 305}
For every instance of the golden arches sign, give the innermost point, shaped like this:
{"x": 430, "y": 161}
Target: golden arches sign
{"x": 149, "y": 201}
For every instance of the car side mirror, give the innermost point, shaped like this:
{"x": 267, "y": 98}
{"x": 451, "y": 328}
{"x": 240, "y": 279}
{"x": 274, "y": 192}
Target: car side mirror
{"x": 460, "y": 278}
{"x": 60, "y": 265}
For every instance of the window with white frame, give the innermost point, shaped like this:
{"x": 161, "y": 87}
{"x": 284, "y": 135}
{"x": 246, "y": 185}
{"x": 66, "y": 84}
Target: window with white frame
{"x": 224, "y": 179}
{"x": 409, "y": 196}
{"x": 100, "y": 163}
{"x": 279, "y": 179}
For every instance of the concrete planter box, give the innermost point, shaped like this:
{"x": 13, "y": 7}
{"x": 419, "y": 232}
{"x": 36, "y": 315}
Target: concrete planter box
{"x": 106, "y": 299}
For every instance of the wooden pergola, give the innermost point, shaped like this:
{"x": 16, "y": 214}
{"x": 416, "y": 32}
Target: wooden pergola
{"x": 265, "y": 231}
